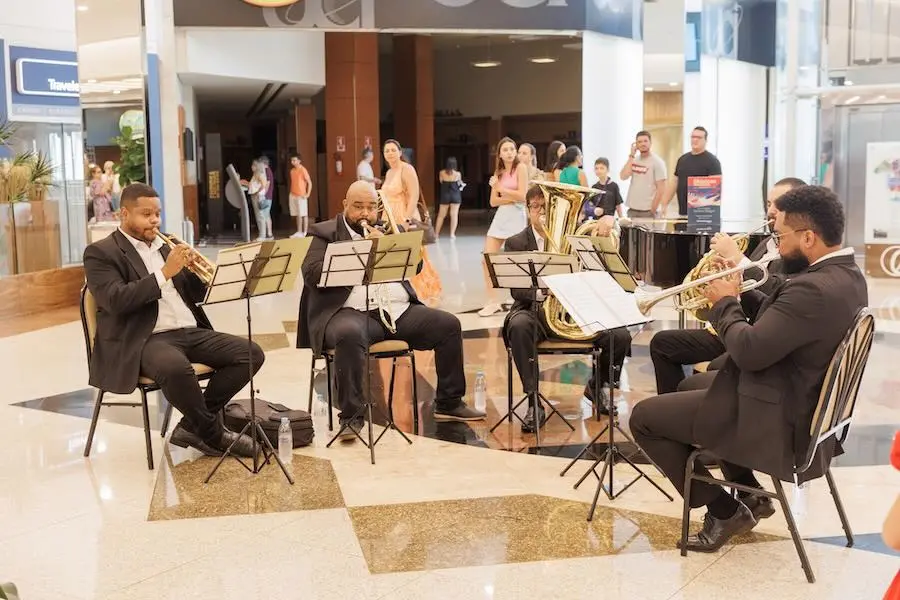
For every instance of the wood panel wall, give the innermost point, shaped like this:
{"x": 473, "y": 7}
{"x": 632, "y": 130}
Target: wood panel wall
{"x": 39, "y": 292}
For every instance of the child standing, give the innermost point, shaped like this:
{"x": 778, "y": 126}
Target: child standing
{"x": 609, "y": 202}
{"x": 301, "y": 187}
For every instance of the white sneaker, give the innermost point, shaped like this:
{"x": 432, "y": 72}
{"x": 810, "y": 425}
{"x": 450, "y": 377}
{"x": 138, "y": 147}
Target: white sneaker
{"x": 260, "y": 239}
{"x": 299, "y": 234}
{"x": 489, "y": 310}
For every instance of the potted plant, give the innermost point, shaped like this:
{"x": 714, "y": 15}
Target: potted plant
{"x": 133, "y": 164}
{"x": 25, "y": 178}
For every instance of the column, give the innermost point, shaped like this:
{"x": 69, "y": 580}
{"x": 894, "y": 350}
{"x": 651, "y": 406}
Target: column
{"x": 413, "y": 58}
{"x": 351, "y": 108}
{"x": 612, "y": 106}
{"x": 163, "y": 94}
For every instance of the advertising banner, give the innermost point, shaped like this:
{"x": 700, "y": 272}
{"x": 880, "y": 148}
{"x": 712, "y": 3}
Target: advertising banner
{"x": 882, "y": 220}
{"x": 704, "y": 204}
{"x": 41, "y": 85}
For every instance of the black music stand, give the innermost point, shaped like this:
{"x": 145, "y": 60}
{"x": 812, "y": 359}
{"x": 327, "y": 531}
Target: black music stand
{"x": 600, "y": 294}
{"x": 387, "y": 259}
{"x": 243, "y": 273}
{"x": 526, "y": 270}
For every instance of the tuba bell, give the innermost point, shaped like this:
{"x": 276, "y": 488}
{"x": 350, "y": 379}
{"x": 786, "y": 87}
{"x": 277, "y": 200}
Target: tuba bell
{"x": 564, "y": 205}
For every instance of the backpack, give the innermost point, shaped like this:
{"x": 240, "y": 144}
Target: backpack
{"x": 269, "y": 414}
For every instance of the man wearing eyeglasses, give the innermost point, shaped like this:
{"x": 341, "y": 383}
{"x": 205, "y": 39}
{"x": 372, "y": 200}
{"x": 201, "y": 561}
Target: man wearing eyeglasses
{"x": 672, "y": 349}
{"x": 699, "y": 162}
{"x": 758, "y": 410}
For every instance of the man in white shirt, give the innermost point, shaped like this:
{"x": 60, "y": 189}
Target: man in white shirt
{"x": 337, "y": 318}
{"x": 647, "y": 173}
{"x": 149, "y": 324}
{"x": 364, "y": 171}
{"x": 671, "y": 349}
{"x": 524, "y": 326}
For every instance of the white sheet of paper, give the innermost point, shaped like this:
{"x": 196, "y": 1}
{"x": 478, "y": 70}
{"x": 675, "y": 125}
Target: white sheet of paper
{"x": 342, "y": 266}
{"x": 595, "y": 301}
{"x": 285, "y": 258}
{"x": 230, "y": 278}
{"x": 584, "y": 249}
{"x": 511, "y": 268}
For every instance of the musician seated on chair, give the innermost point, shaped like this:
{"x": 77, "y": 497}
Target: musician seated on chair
{"x": 149, "y": 324}
{"x": 672, "y": 349}
{"x": 758, "y": 410}
{"x": 337, "y": 319}
{"x": 523, "y": 328}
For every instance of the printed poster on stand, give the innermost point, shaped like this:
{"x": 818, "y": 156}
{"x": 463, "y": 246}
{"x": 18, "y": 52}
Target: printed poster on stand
{"x": 704, "y": 200}
{"x": 883, "y": 209}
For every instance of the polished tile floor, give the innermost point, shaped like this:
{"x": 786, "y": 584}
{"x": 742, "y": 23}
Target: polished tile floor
{"x": 454, "y": 515}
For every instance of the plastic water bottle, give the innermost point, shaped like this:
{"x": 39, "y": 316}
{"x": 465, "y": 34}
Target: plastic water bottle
{"x": 801, "y": 496}
{"x": 285, "y": 441}
{"x": 480, "y": 392}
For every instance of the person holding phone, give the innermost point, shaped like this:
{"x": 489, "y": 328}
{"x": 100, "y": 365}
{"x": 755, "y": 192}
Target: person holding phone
{"x": 647, "y": 173}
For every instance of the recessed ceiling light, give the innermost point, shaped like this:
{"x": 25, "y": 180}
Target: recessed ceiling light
{"x": 542, "y": 60}
{"x": 848, "y": 82}
{"x": 486, "y": 64}
{"x": 648, "y": 89}
{"x": 673, "y": 84}
{"x": 82, "y": 8}
{"x": 117, "y": 91}
{"x": 92, "y": 81}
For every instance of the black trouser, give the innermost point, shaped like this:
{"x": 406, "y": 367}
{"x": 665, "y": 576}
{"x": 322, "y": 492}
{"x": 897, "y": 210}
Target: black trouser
{"x": 671, "y": 349}
{"x": 525, "y": 329}
{"x": 350, "y": 332}
{"x": 663, "y": 426}
{"x": 167, "y": 358}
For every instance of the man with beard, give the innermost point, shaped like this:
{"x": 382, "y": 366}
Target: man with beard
{"x": 758, "y": 409}
{"x": 338, "y": 319}
{"x": 671, "y": 349}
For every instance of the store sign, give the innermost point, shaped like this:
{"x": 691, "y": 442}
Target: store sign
{"x": 41, "y": 77}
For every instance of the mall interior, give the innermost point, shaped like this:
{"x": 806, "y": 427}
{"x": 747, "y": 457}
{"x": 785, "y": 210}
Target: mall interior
{"x": 209, "y": 101}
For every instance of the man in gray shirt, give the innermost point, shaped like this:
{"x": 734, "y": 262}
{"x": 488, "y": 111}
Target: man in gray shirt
{"x": 647, "y": 172}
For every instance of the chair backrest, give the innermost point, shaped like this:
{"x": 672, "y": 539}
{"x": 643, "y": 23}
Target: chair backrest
{"x": 88, "y": 319}
{"x": 837, "y": 400}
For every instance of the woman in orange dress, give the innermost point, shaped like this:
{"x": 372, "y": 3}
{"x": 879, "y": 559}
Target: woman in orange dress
{"x": 401, "y": 191}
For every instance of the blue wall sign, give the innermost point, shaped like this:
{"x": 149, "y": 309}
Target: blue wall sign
{"x": 41, "y": 85}
{"x": 43, "y": 77}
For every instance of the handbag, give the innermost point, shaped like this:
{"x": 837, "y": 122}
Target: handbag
{"x": 237, "y": 415}
{"x": 423, "y": 223}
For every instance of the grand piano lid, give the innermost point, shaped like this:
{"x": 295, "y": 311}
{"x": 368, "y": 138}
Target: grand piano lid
{"x": 680, "y": 226}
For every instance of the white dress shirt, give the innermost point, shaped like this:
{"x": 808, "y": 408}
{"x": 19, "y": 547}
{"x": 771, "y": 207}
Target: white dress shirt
{"x": 771, "y": 248}
{"x": 173, "y": 312}
{"x": 393, "y": 295}
{"x": 848, "y": 251}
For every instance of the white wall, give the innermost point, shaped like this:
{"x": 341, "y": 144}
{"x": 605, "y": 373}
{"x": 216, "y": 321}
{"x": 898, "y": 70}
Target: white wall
{"x": 46, "y": 24}
{"x": 516, "y": 87}
{"x": 278, "y": 55}
{"x": 111, "y": 59}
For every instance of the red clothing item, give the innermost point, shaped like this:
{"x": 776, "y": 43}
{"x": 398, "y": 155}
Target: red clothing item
{"x": 893, "y": 592}
{"x": 895, "y": 451}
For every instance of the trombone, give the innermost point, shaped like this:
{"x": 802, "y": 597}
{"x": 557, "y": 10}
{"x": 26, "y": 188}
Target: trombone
{"x": 647, "y": 300}
{"x": 199, "y": 265}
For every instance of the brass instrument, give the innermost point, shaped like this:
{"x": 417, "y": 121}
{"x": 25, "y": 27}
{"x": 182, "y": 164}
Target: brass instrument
{"x": 199, "y": 265}
{"x": 647, "y": 300}
{"x": 383, "y": 209}
{"x": 564, "y": 205}
{"x": 692, "y": 299}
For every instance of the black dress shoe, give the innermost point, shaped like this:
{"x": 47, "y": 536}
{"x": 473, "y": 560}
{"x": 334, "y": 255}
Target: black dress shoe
{"x": 459, "y": 412}
{"x": 716, "y": 532}
{"x": 183, "y": 438}
{"x": 528, "y": 423}
{"x": 761, "y": 506}
{"x": 349, "y": 434}
{"x": 243, "y": 444}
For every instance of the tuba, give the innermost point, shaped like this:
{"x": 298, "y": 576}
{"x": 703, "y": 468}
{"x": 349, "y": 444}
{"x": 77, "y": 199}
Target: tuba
{"x": 564, "y": 205}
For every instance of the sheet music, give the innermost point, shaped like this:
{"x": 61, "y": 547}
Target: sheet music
{"x": 510, "y": 270}
{"x": 284, "y": 258}
{"x": 602, "y": 251}
{"x": 345, "y": 263}
{"x": 230, "y": 279}
{"x": 587, "y": 254}
{"x": 397, "y": 256}
{"x": 595, "y": 301}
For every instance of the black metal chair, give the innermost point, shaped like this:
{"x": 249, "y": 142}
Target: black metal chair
{"x": 832, "y": 419}
{"x": 145, "y": 384}
{"x": 392, "y": 349}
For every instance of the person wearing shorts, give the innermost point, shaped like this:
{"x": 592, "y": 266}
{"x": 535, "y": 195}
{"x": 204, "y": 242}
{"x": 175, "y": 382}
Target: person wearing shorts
{"x": 301, "y": 186}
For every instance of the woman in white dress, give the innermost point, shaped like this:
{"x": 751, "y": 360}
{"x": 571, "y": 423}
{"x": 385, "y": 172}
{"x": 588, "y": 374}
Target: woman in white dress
{"x": 508, "y": 186}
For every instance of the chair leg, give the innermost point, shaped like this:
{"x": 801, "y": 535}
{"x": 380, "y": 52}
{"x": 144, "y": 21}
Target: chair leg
{"x": 390, "y": 402}
{"x": 166, "y": 419}
{"x": 146, "y": 411}
{"x": 90, "y": 438}
{"x": 312, "y": 381}
{"x": 509, "y": 381}
{"x": 686, "y": 509}
{"x": 415, "y": 390}
{"x": 795, "y": 533}
{"x": 845, "y": 523}
{"x": 328, "y": 393}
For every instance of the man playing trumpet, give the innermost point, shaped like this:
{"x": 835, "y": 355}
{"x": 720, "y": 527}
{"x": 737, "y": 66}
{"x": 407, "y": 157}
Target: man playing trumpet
{"x": 523, "y": 328}
{"x": 149, "y": 324}
{"x": 338, "y": 319}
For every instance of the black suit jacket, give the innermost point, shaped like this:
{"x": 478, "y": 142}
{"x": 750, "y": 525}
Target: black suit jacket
{"x": 318, "y": 305}
{"x": 524, "y": 241}
{"x": 127, "y": 307}
{"x": 758, "y": 410}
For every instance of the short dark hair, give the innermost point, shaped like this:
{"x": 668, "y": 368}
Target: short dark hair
{"x": 816, "y": 208}
{"x": 644, "y": 132}
{"x": 534, "y": 193}
{"x": 602, "y": 161}
{"x": 365, "y": 151}
{"x": 451, "y": 164}
{"x": 134, "y": 191}
{"x": 297, "y": 156}
{"x": 791, "y": 182}
{"x": 703, "y": 129}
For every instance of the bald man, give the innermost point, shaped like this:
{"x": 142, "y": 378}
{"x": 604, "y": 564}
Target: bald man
{"x": 338, "y": 319}
{"x": 671, "y": 349}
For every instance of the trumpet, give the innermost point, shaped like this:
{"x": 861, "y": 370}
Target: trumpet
{"x": 199, "y": 265}
{"x": 647, "y": 300}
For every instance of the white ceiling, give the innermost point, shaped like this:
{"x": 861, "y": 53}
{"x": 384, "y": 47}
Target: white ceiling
{"x": 102, "y": 20}
{"x": 235, "y": 94}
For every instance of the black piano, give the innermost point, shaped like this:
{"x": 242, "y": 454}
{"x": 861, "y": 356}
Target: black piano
{"x": 662, "y": 252}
